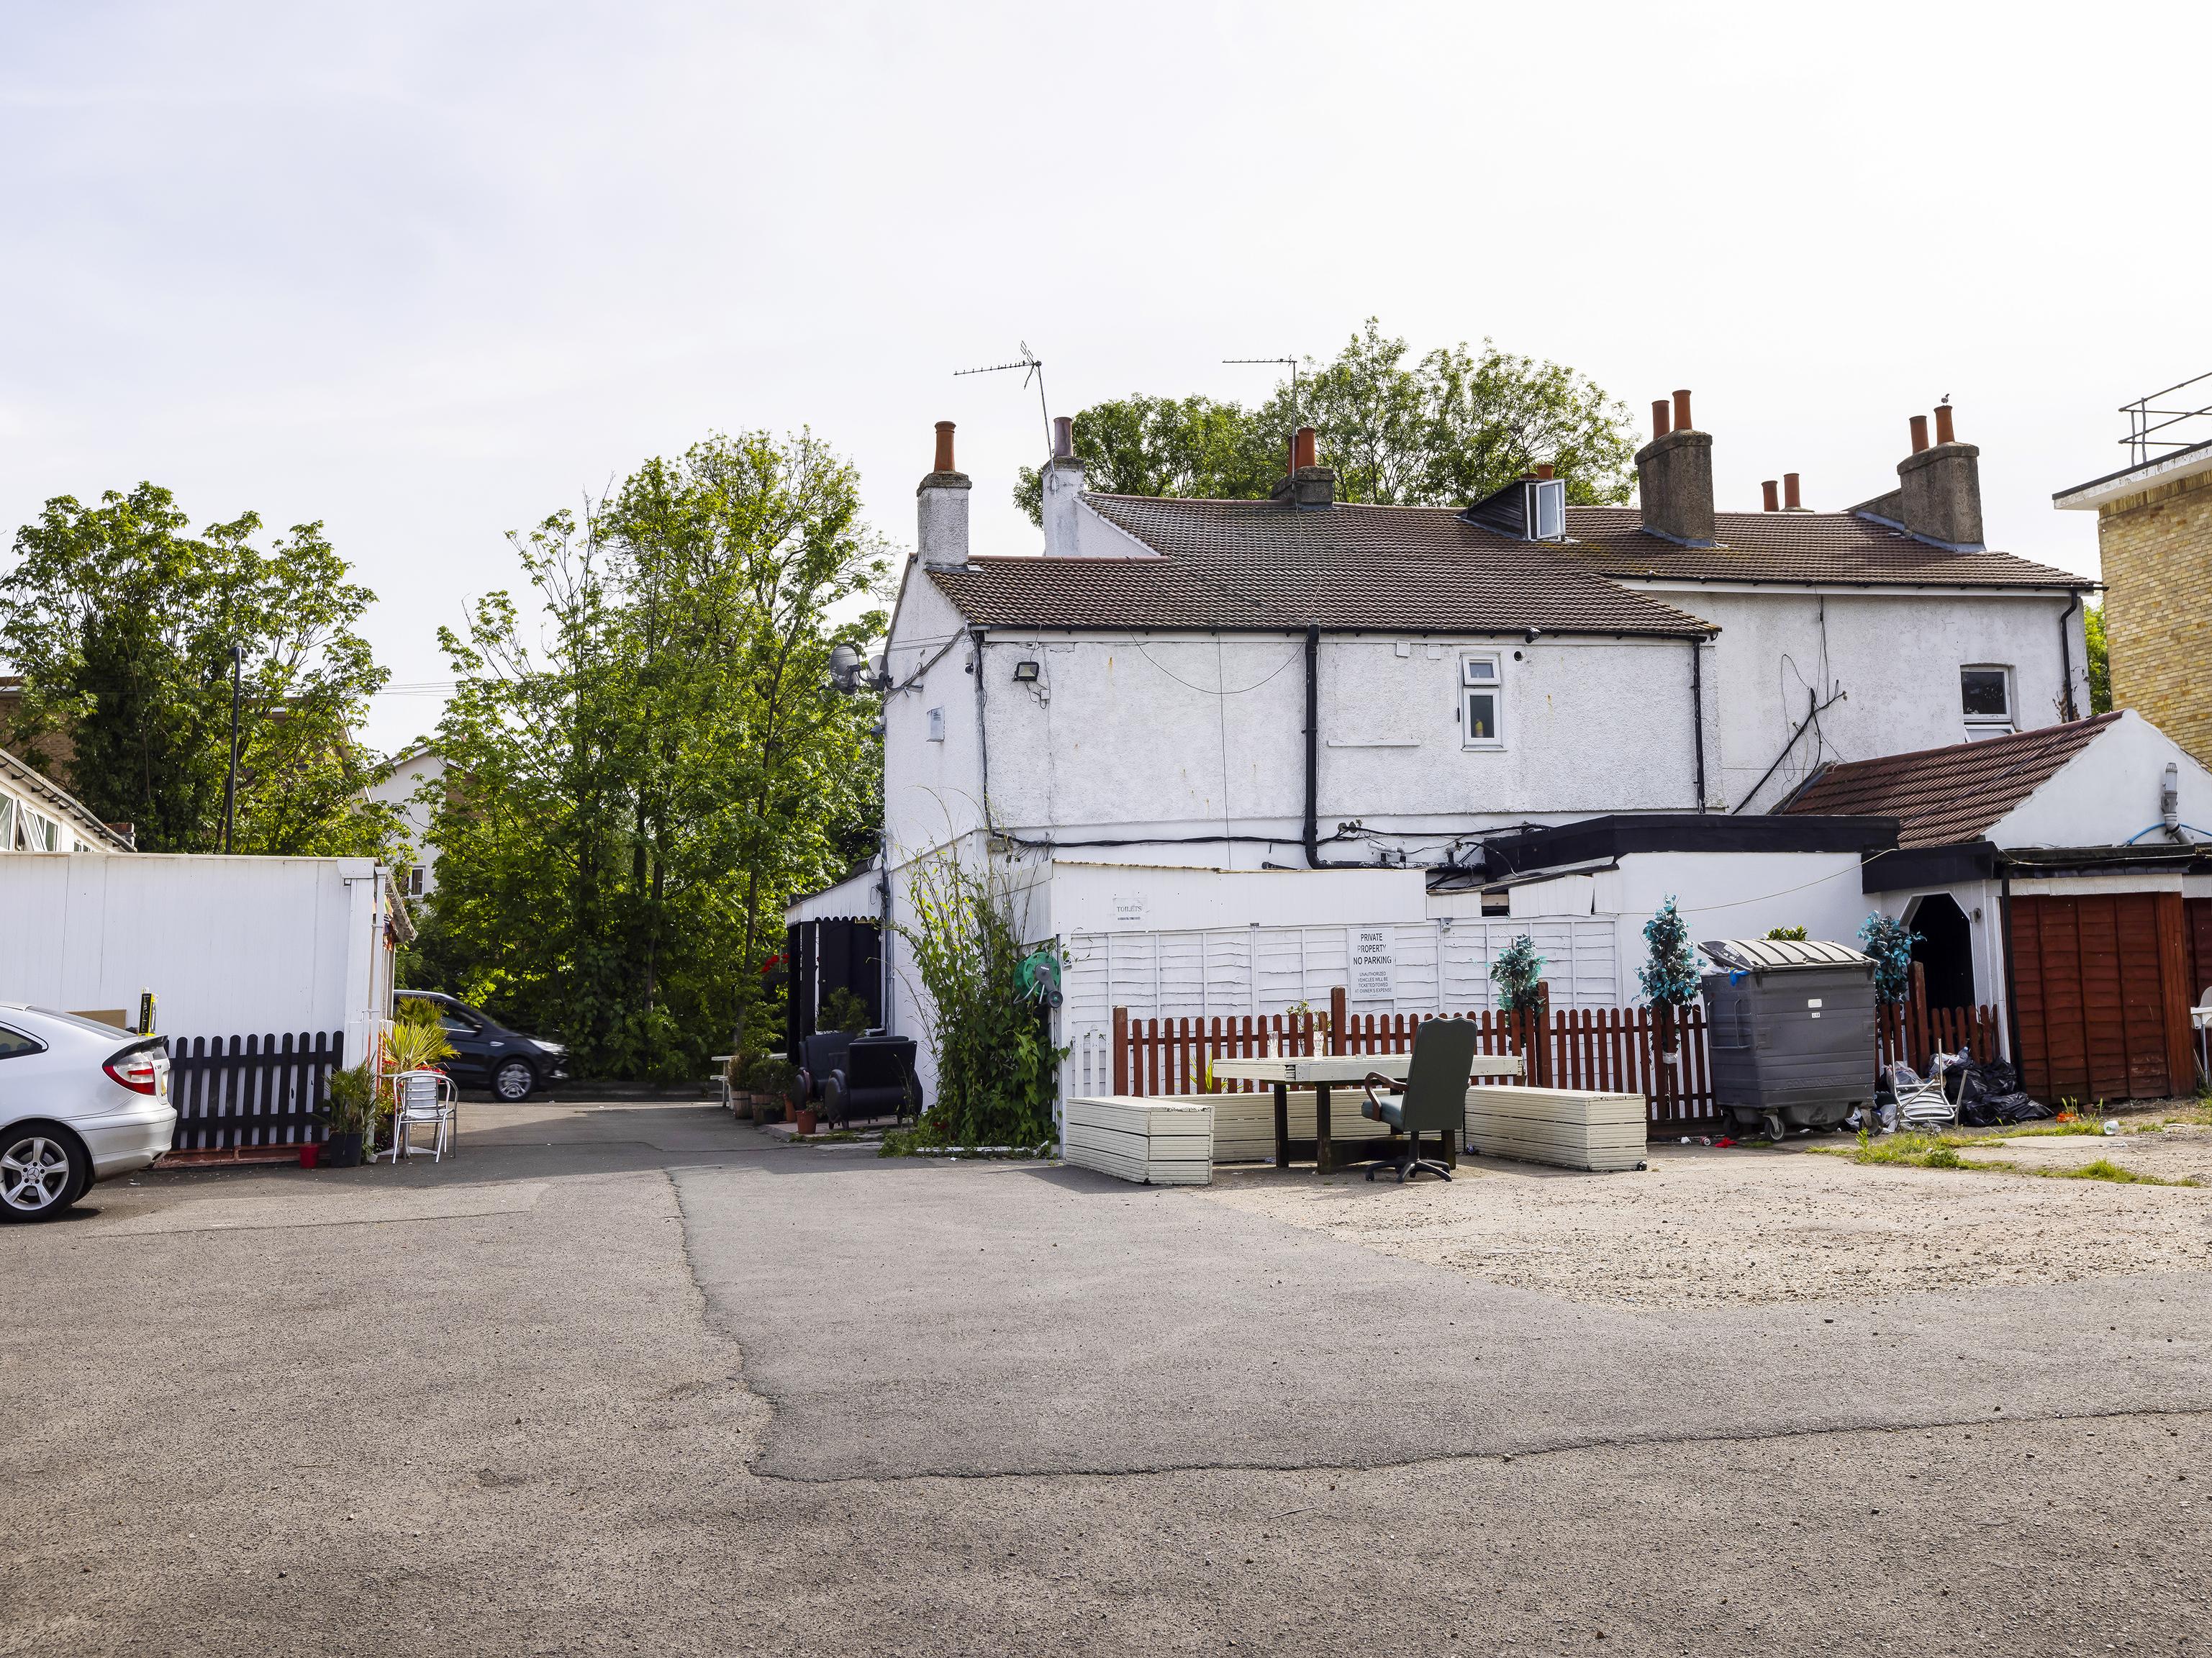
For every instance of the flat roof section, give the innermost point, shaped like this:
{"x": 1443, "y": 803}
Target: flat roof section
{"x": 1595, "y": 839}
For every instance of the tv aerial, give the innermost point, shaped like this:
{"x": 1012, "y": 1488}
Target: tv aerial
{"x": 1032, "y": 367}
{"x": 1290, "y": 363}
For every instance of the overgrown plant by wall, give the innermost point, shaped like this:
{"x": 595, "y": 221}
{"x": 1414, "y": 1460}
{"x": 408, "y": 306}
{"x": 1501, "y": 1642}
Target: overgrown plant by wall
{"x": 997, "y": 1069}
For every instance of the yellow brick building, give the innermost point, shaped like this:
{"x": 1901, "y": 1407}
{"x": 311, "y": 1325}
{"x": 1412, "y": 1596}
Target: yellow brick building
{"x": 2155, "y": 535}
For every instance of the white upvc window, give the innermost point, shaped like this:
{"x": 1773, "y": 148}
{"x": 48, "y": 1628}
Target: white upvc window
{"x": 7, "y": 823}
{"x": 1481, "y": 701}
{"x": 1985, "y": 698}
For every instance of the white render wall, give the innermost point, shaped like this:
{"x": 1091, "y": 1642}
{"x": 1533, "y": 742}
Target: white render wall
{"x": 1897, "y": 657}
{"x": 229, "y": 946}
{"x": 932, "y": 790}
{"x": 1190, "y": 738}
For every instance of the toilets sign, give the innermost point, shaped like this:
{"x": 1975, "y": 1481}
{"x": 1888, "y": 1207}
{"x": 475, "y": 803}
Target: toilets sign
{"x": 1374, "y": 964}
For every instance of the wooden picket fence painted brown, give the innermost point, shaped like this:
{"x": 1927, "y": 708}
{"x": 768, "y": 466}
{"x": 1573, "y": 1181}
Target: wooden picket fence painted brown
{"x": 250, "y": 1090}
{"x": 1613, "y": 1049}
{"x": 1610, "y": 1050}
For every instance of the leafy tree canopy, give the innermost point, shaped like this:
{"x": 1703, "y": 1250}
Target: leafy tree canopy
{"x": 122, "y": 621}
{"x": 2100, "y": 660}
{"x": 1444, "y": 430}
{"x": 632, "y": 800}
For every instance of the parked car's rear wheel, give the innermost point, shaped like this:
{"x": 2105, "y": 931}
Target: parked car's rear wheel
{"x": 514, "y": 1081}
{"x": 41, "y": 1173}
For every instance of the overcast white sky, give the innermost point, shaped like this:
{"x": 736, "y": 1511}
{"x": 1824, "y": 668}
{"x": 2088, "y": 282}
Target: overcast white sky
{"x": 428, "y": 271}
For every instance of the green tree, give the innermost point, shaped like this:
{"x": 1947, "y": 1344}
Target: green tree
{"x": 122, "y": 623}
{"x": 1445, "y": 431}
{"x": 2100, "y": 660}
{"x": 632, "y": 803}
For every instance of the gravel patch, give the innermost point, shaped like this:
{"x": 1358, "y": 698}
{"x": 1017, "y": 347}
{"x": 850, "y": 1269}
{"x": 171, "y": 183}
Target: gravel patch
{"x": 1711, "y": 1227}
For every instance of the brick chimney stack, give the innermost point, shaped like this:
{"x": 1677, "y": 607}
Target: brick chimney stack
{"x": 1940, "y": 486}
{"x": 1674, "y": 477}
{"x": 941, "y": 508}
{"x": 1306, "y": 483}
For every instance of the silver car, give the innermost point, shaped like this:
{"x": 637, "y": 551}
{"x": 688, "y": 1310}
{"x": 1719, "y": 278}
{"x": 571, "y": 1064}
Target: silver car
{"x": 79, "y": 1102}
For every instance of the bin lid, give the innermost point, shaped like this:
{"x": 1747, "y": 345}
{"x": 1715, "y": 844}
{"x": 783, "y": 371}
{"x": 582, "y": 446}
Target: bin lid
{"x": 1781, "y": 955}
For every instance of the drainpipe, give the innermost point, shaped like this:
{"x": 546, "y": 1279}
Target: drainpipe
{"x": 2068, "y": 711}
{"x": 1313, "y": 754}
{"x": 1697, "y": 715}
{"x": 1313, "y": 745}
{"x": 982, "y": 736}
{"x": 2012, "y": 1002}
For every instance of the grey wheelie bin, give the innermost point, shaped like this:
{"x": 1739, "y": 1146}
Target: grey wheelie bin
{"x": 1790, "y": 1026}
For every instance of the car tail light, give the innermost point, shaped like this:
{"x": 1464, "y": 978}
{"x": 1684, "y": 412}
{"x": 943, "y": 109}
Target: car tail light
{"x": 136, "y": 1071}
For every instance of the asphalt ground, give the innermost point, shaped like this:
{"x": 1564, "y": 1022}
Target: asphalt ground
{"x": 631, "y": 1380}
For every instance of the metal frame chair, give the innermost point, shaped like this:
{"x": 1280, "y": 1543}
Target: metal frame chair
{"x": 424, "y": 1097}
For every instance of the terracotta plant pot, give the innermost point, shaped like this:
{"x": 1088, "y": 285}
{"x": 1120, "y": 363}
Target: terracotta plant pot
{"x": 805, "y": 1121}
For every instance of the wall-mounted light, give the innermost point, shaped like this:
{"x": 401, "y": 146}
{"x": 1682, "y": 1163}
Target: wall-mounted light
{"x": 1025, "y": 673}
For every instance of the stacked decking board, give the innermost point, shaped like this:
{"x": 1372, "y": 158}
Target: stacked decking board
{"x": 1568, "y": 1128}
{"x": 1153, "y": 1142}
{"x": 1244, "y": 1124}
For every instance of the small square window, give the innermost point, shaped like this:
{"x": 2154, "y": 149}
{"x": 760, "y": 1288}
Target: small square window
{"x": 1985, "y": 696}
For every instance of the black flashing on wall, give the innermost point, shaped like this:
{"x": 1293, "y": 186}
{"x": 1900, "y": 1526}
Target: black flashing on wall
{"x": 1595, "y": 839}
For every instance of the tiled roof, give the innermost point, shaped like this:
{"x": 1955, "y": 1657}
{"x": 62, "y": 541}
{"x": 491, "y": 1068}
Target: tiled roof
{"x": 1944, "y": 797}
{"x": 1257, "y": 564}
{"x": 1825, "y": 547}
{"x": 1262, "y": 564}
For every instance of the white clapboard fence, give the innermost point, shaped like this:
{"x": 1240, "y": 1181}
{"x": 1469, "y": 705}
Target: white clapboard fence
{"x": 1433, "y": 967}
{"x": 1152, "y": 1142}
{"x": 1568, "y": 1128}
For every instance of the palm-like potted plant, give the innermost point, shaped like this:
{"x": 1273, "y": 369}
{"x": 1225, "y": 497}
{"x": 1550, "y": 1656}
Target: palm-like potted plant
{"x": 352, "y": 1103}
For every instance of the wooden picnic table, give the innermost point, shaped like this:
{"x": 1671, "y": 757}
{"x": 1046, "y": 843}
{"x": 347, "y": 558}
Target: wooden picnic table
{"x": 1319, "y": 1072}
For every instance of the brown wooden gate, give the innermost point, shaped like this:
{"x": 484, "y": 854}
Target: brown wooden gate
{"x": 2100, "y": 985}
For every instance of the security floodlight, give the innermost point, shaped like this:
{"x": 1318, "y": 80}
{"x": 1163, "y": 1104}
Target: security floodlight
{"x": 1025, "y": 673}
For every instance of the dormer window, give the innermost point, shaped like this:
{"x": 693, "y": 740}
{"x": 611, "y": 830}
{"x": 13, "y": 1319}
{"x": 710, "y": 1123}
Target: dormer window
{"x": 1544, "y": 510}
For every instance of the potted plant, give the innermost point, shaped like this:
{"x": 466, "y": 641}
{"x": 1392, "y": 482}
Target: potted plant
{"x": 352, "y": 1095}
{"x": 777, "y": 1082}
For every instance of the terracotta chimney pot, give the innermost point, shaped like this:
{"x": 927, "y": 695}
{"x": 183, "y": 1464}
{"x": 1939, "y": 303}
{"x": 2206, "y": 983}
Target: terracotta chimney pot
{"x": 1682, "y": 411}
{"x": 1302, "y": 448}
{"x": 1919, "y": 433}
{"x": 1770, "y": 490}
{"x": 1659, "y": 427}
{"x": 944, "y": 448}
{"x": 1943, "y": 432}
{"x": 1789, "y": 493}
{"x": 1543, "y": 469}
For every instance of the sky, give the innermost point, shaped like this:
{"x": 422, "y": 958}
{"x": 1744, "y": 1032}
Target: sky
{"x": 427, "y": 273}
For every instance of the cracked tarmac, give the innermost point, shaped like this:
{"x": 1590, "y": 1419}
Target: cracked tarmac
{"x": 630, "y": 1380}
